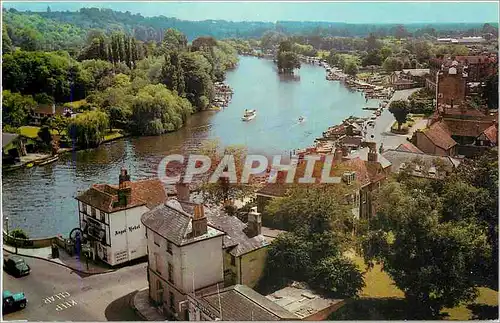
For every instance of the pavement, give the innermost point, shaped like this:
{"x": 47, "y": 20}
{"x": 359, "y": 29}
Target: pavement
{"x": 57, "y": 293}
{"x": 78, "y": 264}
{"x": 143, "y": 307}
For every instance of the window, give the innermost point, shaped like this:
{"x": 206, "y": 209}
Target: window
{"x": 157, "y": 263}
{"x": 170, "y": 273}
{"x": 169, "y": 247}
{"x": 103, "y": 216}
{"x": 171, "y": 299}
{"x": 233, "y": 260}
{"x": 93, "y": 212}
{"x": 156, "y": 239}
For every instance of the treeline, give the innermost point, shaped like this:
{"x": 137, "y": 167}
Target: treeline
{"x": 119, "y": 82}
{"x": 53, "y": 30}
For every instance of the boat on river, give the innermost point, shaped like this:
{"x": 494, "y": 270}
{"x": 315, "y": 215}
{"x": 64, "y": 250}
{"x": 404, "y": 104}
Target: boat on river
{"x": 302, "y": 119}
{"x": 249, "y": 115}
{"x": 49, "y": 160}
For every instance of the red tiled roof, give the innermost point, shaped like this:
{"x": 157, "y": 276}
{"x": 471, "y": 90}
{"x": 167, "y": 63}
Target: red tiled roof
{"x": 466, "y": 128}
{"x": 439, "y": 135}
{"x": 492, "y": 134}
{"x": 409, "y": 147}
{"x": 103, "y": 196}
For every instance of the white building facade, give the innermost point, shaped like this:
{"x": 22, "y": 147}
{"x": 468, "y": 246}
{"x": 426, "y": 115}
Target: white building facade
{"x": 185, "y": 255}
{"x": 110, "y": 218}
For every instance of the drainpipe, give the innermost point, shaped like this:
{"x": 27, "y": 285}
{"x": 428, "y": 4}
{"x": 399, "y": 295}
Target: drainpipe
{"x": 241, "y": 272}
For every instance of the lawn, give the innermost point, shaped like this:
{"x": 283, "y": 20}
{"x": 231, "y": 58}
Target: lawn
{"x": 382, "y": 300}
{"x": 32, "y": 131}
{"x": 113, "y": 134}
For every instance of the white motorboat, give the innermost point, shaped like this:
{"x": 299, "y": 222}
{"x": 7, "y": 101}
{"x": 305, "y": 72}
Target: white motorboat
{"x": 302, "y": 119}
{"x": 249, "y": 115}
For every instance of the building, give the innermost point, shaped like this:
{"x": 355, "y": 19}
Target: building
{"x": 45, "y": 111}
{"x": 424, "y": 165}
{"x": 185, "y": 255}
{"x": 245, "y": 247}
{"x": 408, "y": 78}
{"x": 435, "y": 140}
{"x": 110, "y": 217}
{"x": 362, "y": 172}
{"x": 305, "y": 303}
{"x": 236, "y": 303}
{"x": 13, "y": 147}
{"x": 240, "y": 303}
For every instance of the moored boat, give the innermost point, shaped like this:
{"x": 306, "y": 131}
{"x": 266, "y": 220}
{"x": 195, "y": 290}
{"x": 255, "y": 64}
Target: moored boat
{"x": 49, "y": 160}
{"x": 249, "y": 115}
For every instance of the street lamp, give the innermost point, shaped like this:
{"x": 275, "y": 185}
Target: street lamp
{"x": 7, "y": 224}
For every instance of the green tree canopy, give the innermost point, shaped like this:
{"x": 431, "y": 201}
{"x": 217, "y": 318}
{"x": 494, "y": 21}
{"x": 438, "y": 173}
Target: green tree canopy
{"x": 400, "y": 111}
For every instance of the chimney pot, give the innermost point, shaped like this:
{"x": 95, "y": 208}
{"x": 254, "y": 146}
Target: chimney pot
{"x": 199, "y": 221}
{"x": 254, "y": 224}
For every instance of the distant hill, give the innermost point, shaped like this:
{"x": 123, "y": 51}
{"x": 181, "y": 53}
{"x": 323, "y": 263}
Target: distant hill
{"x": 63, "y": 29}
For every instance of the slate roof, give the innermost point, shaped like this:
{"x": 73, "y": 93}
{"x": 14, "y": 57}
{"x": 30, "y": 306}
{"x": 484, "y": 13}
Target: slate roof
{"x": 149, "y": 192}
{"x": 408, "y": 147}
{"x": 172, "y": 222}
{"x": 241, "y": 303}
{"x": 439, "y": 135}
{"x": 235, "y": 234}
{"x": 401, "y": 158}
{"x": 7, "y": 138}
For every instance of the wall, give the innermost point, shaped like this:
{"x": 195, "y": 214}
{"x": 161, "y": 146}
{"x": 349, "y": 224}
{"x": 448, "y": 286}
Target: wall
{"x": 29, "y": 243}
{"x": 128, "y": 235}
{"x": 451, "y": 87}
{"x": 423, "y": 143}
{"x": 252, "y": 267}
{"x": 204, "y": 259}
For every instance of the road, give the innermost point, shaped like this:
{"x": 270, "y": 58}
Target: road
{"x": 55, "y": 293}
{"x": 381, "y": 133}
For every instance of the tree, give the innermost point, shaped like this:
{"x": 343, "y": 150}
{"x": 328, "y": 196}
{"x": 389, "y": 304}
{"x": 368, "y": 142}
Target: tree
{"x": 351, "y": 68}
{"x": 173, "y": 74}
{"x": 45, "y": 135}
{"x": 223, "y": 192}
{"x": 16, "y": 108}
{"x": 490, "y": 93}
{"x": 88, "y": 129}
{"x": 7, "y": 46}
{"x": 392, "y": 64}
{"x": 440, "y": 257}
{"x": 19, "y": 234}
{"x": 400, "y": 111}
{"x": 59, "y": 123}
{"x": 174, "y": 40}
{"x": 337, "y": 277}
{"x": 312, "y": 210}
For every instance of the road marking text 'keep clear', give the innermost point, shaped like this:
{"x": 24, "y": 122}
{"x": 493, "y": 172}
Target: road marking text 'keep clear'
{"x": 61, "y": 306}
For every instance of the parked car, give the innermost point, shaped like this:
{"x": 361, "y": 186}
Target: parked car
{"x": 16, "y": 266}
{"x": 13, "y": 301}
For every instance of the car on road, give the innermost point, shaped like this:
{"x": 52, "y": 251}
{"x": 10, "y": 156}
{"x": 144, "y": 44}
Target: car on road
{"x": 13, "y": 301}
{"x": 16, "y": 266}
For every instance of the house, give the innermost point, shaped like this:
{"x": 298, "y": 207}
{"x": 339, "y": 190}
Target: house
{"x": 45, "y": 111}
{"x": 110, "y": 217}
{"x": 426, "y": 165}
{"x": 408, "y": 78}
{"x": 202, "y": 248}
{"x": 185, "y": 255}
{"x": 435, "y": 140}
{"x": 236, "y": 303}
{"x": 240, "y": 303}
{"x": 362, "y": 172}
{"x": 408, "y": 147}
{"x": 305, "y": 303}
{"x": 488, "y": 137}
{"x": 13, "y": 147}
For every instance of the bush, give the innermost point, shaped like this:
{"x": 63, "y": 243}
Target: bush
{"x": 19, "y": 234}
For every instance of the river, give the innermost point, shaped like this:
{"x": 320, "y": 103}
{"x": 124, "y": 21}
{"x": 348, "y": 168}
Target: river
{"x": 40, "y": 200}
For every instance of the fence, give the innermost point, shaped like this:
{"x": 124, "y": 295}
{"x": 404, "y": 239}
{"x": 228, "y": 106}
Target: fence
{"x": 33, "y": 243}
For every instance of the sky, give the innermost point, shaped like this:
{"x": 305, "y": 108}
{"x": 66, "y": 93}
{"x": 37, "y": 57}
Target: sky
{"x": 349, "y": 12}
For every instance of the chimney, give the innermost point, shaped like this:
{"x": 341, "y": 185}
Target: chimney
{"x": 182, "y": 190}
{"x": 254, "y": 224}
{"x": 372, "y": 152}
{"x": 124, "y": 188}
{"x": 199, "y": 222}
{"x": 345, "y": 151}
{"x": 124, "y": 178}
{"x": 337, "y": 155}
